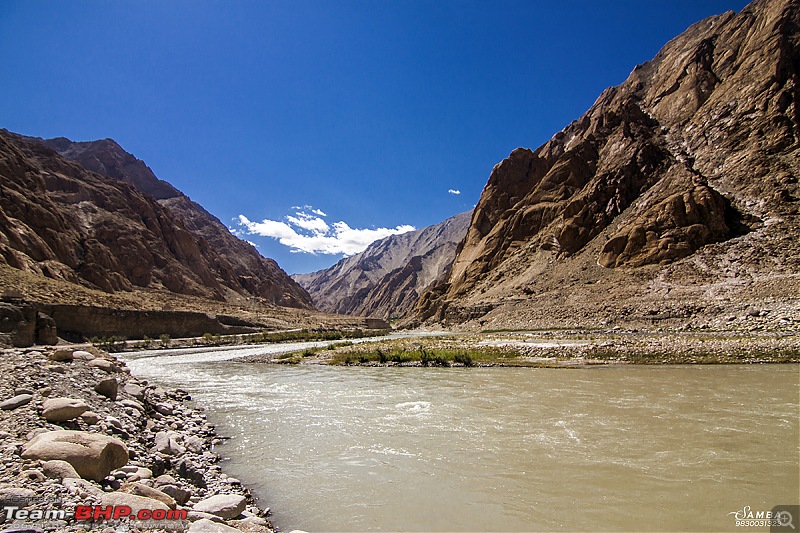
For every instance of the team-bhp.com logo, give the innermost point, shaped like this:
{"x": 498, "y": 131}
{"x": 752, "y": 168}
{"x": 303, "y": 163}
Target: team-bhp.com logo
{"x": 780, "y": 518}
{"x": 93, "y": 513}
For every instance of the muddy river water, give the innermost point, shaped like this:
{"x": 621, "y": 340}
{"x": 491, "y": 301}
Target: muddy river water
{"x": 645, "y": 448}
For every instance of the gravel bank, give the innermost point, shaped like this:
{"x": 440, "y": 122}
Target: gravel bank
{"x": 78, "y": 430}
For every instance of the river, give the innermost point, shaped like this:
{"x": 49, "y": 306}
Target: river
{"x": 644, "y": 448}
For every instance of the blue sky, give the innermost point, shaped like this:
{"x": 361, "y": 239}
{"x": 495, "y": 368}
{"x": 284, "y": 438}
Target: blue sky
{"x": 271, "y": 114}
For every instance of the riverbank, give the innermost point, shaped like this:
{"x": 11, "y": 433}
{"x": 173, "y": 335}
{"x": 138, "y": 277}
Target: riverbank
{"x": 79, "y": 430}
{"x": 556, "y": 348}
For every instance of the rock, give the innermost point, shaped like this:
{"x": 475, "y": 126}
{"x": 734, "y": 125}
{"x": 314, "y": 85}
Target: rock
{"x": 165, "y": 479}
{"x": 204, "y": 525}
{"x": 225, "y": 506}
{"x": 167, "y": 444}
{"x": 108, "y": 388}
{"x": 114, "y": 422}
{"x": 136, "y": 503}
{"x": 92, "y": 456}
{"x": 194, "y": 443}
{"x": 148, "y": 492}
{"x": 189, "y": 471}
{"x": 23, "y": 390}
{"x": 46, "y": 332}
{"x": 163, "y": 408}
{"x": 17, "y": 401}
{"x": 102, "y": 364}
{"x": 90, "y": 417}
{"x": 63, "y": 409}
{"x": 132, "y": 404}
{"x": 143, "y": 473}
{"x": 134, "y": 390}
{"x": 81, "y": 488}
{"x": 82, "y": 355}
{"x": 31, "y": 475}
{"x": 16, "y": 496}
{"x": 179, "y": 494}
{"x": 59, "y": 470}
{"x": 61, "y": 355}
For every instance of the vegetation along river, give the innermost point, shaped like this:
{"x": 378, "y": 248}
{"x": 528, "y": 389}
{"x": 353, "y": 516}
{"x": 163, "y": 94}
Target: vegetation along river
{"x": 646, "y": 448}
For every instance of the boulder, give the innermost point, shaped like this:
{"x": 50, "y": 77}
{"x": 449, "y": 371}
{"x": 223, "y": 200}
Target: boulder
{"x": 179, "y": 494}
{"x": 63, "y": 409}
{"x": 16, "y": 496}
{"x": 134, "y": 390}
{"x": 46, "y": 332}
{"x": 204, "y": 525}
{"x": 102, "y": 364}
{"x": 82, "y": 355}
{"x": 92, "y": 456}
{"x": 194, "y": 443}
{"x": 167, "y": 443}
{"x": 225, "y": 506}
{"x": 139, "y": 489}
{"x": 61, "y": 356}
{"x": 90, "y": 417}
{"x": 136, "y": 503}
{"x": 17, "y": 401}
{"x": 107, "y": 387}
{"x": 59, "y": 470}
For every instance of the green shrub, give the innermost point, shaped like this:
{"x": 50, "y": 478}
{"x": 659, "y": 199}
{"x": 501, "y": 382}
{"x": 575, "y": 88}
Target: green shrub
{"x": 464, "y": 358}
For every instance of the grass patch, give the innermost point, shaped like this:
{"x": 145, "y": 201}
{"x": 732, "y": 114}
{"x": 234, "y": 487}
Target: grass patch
{"x": 442, "y": 357}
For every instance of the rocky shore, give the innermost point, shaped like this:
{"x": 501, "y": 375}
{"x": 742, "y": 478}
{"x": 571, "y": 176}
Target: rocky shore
{"x": 78, "y": 430}
{"x": 557, "y": 348}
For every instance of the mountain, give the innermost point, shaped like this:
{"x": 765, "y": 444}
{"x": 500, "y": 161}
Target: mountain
{"x": 674, "y": 195}
{"x": 386, "y": 279}
{"x": 98, "y": 217}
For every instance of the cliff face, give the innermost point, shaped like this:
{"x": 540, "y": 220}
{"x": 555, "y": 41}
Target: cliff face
{"x": 60, "y": 220}
{"x": 237, "y": 265}
{"x": 689, "y": 165}
{"x": 387, "y": 278}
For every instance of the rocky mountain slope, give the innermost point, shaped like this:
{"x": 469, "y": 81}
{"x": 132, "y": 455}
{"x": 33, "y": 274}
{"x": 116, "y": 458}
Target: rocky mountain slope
{"x": 387, "y": 278}
{"x": 255, "y": 275}
{"x": 105, "y": 221}
{"x": 673, "y": 196}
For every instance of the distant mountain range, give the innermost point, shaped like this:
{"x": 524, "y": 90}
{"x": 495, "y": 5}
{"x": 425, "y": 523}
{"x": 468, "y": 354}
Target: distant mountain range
{"x": 387, "y": 278}
{"x": 674, "y": 196}
{"x": 91, "y": 213}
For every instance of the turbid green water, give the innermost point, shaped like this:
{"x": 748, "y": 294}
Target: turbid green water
{"x": 641, "y": 448}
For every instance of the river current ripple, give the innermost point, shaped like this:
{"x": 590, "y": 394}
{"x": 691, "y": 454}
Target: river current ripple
{"x": 644, "y": 448}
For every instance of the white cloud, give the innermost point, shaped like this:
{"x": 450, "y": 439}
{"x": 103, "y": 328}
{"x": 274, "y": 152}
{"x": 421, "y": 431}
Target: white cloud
{"x": 453, "y": 191}
{"x": 307, "y": 222}
{"x": 306, "y": 233}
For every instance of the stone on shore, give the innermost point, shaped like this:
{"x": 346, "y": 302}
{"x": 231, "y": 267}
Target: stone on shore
{"x": 107, "y": 387}
{"x": 63, "y": 409}
{"x": 92, "y": 456}
{"x": 59, "y": 470}
{"x": 225, "y": 506}
{"x": 61, "y": 355}
{"x": 138, "y": 489}
{"x": 82, "y": 355}
{"x": 17, "y": 401}
{"x": 167, "y": 443}
{"x": 134, "y": 390}
{"x": 136, "y": 503}
{"x": 90, "y": 417}
{"x": 204, "y": 525}
{"x": 102, "y": 364}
